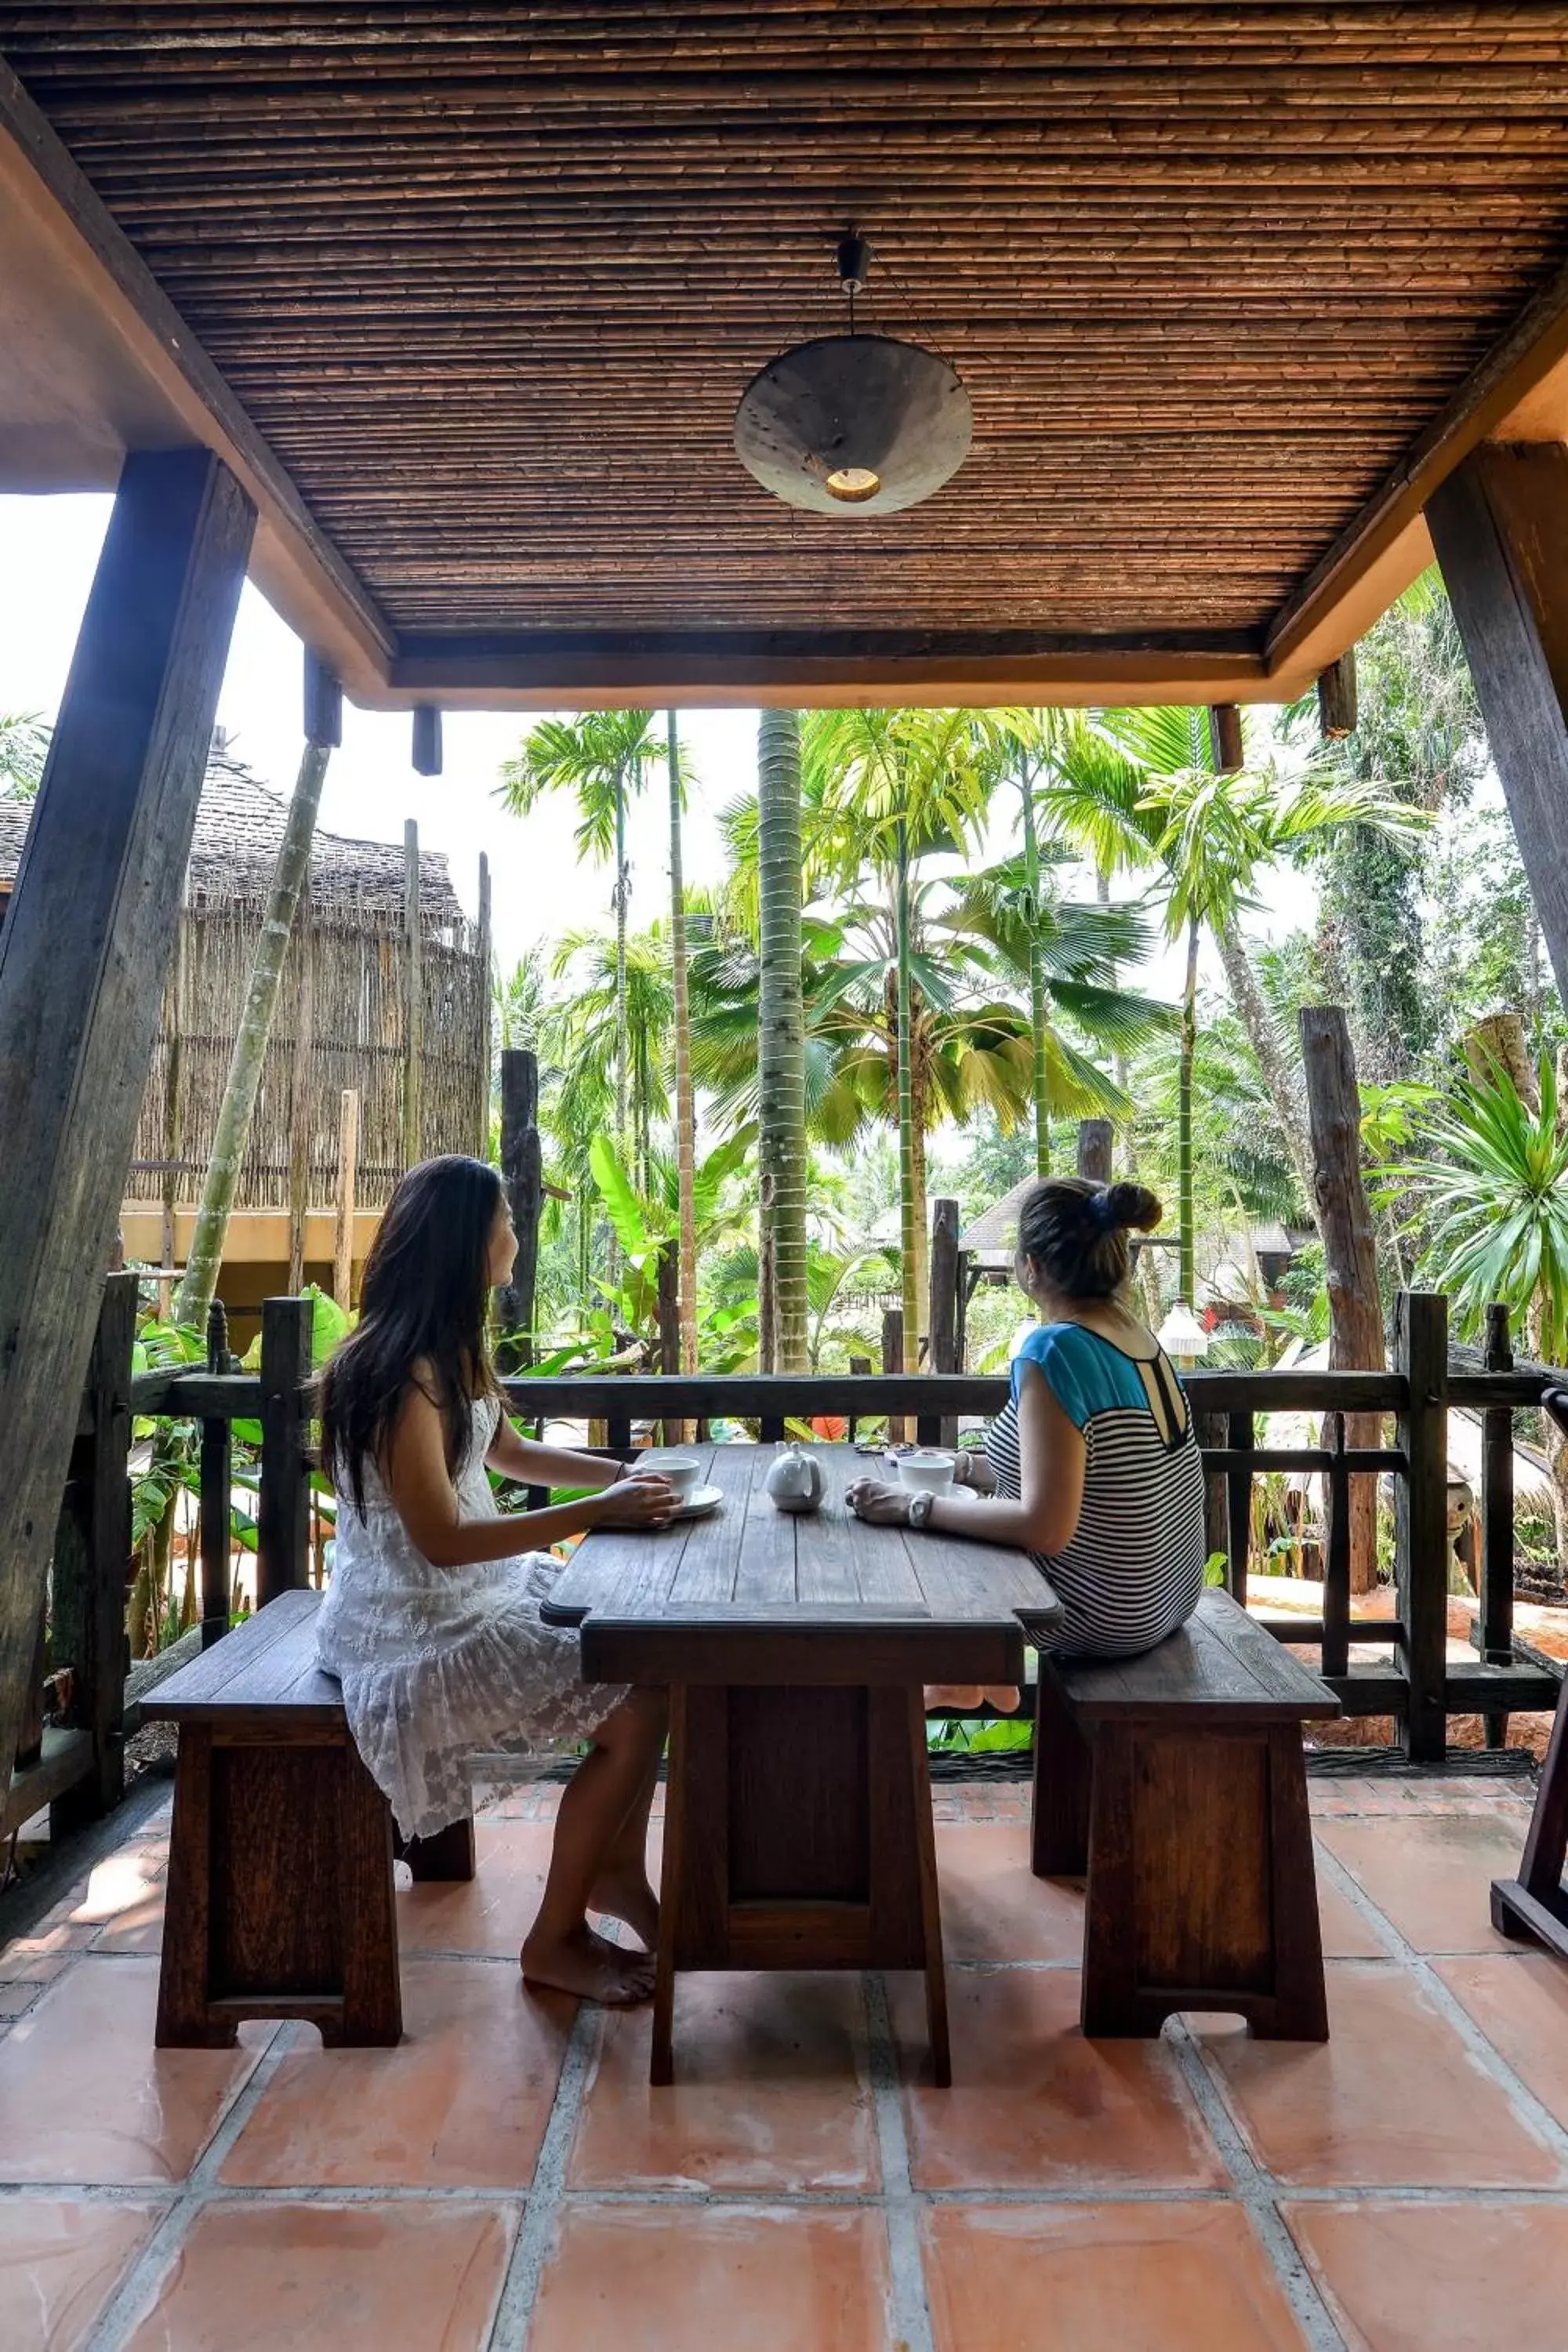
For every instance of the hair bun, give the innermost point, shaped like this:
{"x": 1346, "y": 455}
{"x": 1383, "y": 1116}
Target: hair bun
{"x": 1131, "y": 1205}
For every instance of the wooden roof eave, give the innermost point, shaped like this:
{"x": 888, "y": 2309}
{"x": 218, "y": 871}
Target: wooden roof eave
{"x": 94, "y": 334}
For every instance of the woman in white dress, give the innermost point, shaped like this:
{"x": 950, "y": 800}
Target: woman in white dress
{"x": 432, "y": 1618}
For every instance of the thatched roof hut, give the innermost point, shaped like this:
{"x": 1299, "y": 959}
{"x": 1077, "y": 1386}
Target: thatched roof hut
{"x": 342, "y": 1020}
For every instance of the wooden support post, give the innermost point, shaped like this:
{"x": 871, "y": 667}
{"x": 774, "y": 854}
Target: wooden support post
{"x": 1337, "y": 1557}
{"x": 413, "y": 1003}
{"x": 1420, "y": 1521}
{"x": 861, "y": 1365}
{"x": 1211, "y": 1438}
{"x": 323, "y": 704}
{"x": 893, "y": 1361}
{"x": 83, "y": 957}
{"x": 1337, "y": 698}
{"x": 1239, "y": 1437}
{"x": 1226, "y": 738}
{"x": 1350, "y": 1248}
{"x": 348, "y": 1179}
{"x": 172, "y": 1073}
{"x": 93, "y": 1563}
{"x": 522, "y": 1173}
{"x": 944, "y": 1302}
{"x": 1096, "y": 1140}
{"x": 1500, "y": 526}
{"x": 426, "y": 740}
{"x": 216, "y": 1485}
{"x": 301, "y": 1093}
{"x": 966, "y": 1281}
{"x": 283, "y": 1509}
{"x": 482, "y": 1109}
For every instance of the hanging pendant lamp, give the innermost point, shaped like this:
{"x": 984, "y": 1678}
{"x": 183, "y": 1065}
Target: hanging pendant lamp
{"x": 856, "y": 424}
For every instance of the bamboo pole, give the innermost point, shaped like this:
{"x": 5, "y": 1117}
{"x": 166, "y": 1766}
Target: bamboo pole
{"x": 413, "y": 1002}
{"x": 348, "y": 1169}
{"x": 300, "y": 1106}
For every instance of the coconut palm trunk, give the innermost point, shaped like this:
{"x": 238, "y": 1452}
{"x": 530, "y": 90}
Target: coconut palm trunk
{"x": 200, "y": 1278}
{"x": 685, "y": 1109}
{"x": 780, "y": 1060}
{"x": 1187, "y": 1279}
{"x": 1278, "y": 1074}
{"x": 909, "y": 1229}
{"x": 1040, "y": 1002}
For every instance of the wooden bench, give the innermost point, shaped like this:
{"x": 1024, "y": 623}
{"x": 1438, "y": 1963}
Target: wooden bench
{"x": 1177, "y": 1780}
{"x": 280, "y": 1885}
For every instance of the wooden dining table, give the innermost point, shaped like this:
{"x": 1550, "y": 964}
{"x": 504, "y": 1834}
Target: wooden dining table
{"x": 795, "y": 1648}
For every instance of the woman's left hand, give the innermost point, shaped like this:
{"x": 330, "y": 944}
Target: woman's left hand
{"x": 877, "y": 1502}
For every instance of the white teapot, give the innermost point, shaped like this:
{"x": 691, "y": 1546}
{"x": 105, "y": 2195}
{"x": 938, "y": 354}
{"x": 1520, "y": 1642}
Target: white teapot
{"x": 795, "y": 1481}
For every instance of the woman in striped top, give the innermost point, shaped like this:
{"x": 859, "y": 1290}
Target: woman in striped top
{"x": 1093, "y": 1464}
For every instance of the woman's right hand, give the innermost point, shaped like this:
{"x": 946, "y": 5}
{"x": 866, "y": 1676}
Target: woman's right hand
{"x": 642, "y": 1500}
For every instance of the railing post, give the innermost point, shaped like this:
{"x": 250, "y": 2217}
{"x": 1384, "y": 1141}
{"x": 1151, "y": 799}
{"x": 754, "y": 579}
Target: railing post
{"x": 216, "y": 1483}
{"x": 1211, "y": 1438}
{"x": 893, "y": 1361}
{"x": 944, "y": 1301}
{"x": 283, "y": 1506}
{"x": 1494, "y": 1627}
{"x": 1240, "y": 1437}
{"x": 93, "y": 1563}
{"x": 862, "y": 1365}
{"x": 1420, "y": 1521}
{"x": 1337, "y": 1555}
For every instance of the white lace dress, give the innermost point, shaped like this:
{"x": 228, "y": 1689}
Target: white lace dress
{"x": 438, "y": 1665}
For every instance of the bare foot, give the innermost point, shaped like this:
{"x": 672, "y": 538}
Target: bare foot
{"x": 962, "y": 1695}
{"x": 627, "y": 1896}
{"x": 1002, "y": 1696}
{"x": 583, "y": 1964}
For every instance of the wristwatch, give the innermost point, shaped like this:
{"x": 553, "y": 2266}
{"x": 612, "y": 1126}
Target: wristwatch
{"x": 921, "y": 1508}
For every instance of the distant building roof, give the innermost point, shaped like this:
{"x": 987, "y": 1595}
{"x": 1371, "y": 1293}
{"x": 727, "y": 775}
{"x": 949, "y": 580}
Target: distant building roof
{"x": 238, "y": 827}
{"x": 994, "y": 1235}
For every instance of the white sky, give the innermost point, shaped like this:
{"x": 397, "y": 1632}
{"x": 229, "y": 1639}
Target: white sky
{"x": 48, "y": 548}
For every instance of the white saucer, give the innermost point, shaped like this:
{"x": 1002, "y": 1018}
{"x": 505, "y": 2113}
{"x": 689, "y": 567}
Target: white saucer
{"x": 701, "y": 1500}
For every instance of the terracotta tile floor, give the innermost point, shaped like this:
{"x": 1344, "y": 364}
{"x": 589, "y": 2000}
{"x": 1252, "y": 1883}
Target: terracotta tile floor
{"x": 505, "y": 2182}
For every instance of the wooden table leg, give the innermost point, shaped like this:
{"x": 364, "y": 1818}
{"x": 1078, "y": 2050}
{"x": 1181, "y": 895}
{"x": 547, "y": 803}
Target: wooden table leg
{"x": 797, "y": 1835}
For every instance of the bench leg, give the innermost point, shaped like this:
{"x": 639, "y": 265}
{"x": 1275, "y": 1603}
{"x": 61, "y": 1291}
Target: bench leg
{"x": 280, "y": 1894}
{"x": 930, "y": 1901}
{"x": 1060, "y": 1806}
{"x": 447, "y": 1857}
{"x": 1202, "y": 1893}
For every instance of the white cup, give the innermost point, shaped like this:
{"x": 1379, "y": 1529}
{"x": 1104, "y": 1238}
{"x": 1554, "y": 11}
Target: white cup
{"x": 929, "y": 1473}
{"x": 682, "y": 1473}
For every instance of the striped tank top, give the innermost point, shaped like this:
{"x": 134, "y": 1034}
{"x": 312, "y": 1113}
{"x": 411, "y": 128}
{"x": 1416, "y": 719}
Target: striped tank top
{"x": 1134, "y": 1568}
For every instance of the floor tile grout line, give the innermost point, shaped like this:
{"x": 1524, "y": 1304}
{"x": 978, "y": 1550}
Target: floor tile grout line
{"x": 1254, "y": 2190}
{"x": 909, "y": 2316}
{"x": 137, "y": 2290}
{"x": 1530, "y": 2109}
{"x": 544, "y": 2198}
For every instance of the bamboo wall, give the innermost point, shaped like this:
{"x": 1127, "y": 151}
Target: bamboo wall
{"x": 341, "y": 1022}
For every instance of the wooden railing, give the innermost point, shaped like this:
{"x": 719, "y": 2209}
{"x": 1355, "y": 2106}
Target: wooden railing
{"x": 78, "y": 1767}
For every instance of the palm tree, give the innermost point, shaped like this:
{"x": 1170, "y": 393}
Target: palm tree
{"x": 240, "y": 1087}
{"x": 23, "y": 747}
{"x": 1141, "y": 789}
{"x": 781, "y": 1045}
{"x": 685, "y": 1108}
{"x": 904, "y": 782}
{"x": 602, "y": 758}
{"x": 621, "y": 984}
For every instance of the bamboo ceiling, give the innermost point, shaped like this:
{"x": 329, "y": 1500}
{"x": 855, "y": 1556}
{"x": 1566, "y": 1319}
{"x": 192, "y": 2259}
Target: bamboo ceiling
{"x": 490, "y": 280}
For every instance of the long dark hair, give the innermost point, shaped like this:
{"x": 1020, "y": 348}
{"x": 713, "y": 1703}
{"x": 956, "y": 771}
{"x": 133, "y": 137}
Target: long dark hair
{"x": 423, "y": 1299}
{"x": 1076, "y": 1232}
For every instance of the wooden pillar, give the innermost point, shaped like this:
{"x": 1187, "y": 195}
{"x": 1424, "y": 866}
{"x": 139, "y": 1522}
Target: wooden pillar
{"x": 426, "y": 740}
{"x": 1095, "y": 1138}
{"x": 1500, "y": 525}
{"x": 92, "y": 1562}
{"x": 216, "y": 1484}
{"x": 413, "y": 1003}
{"x": 1420, "y": 1520}
{"x": 944, "y": 1281}
{"x": 1226, "y": 738}
{"x": 522, "y": 1173}
{"x": 84, "y": 954}
{"x": 323, "y": 714}
{"x": 893, "y": 1361}
{"x": 1337, "y": 698}
{"x": 1350, "y": 1248}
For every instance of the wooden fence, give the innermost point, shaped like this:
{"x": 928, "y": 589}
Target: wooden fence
{"x": 78, "y": 1765}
